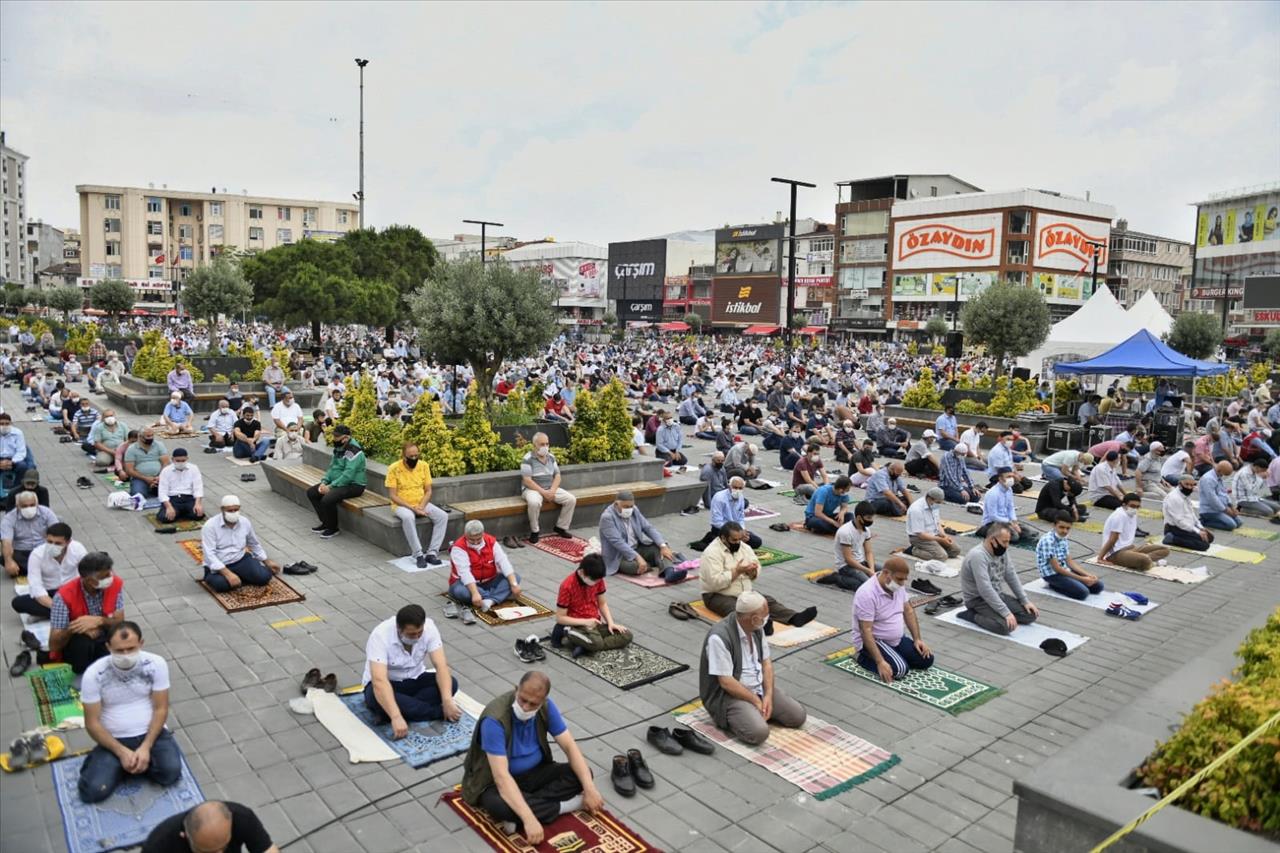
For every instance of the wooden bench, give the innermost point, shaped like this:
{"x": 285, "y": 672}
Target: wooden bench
{"x": 307, "y": 476}
{"x": 588, "y": 495}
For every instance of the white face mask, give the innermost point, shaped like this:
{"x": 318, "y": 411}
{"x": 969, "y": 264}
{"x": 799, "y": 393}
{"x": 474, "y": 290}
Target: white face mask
{"x": 125, "y": 661}
{"x": 28, "y": 512}
{"x": 180, "y": 466}
{"x": 56, "y": 550}
{"x": 110, "y": 420}
{"x": 231, "y": 517}
{"x": 409, "y": 642}
{"x": 894, "y": 586}
{"x": 103, "y": 583}
{"x": 626, "y": 513}
{"x": 735, "y": 493}
{"x": 521, "y": 714}
{"x": 1131, "y": 511}
{"x": 542, "y": 452}
{"x": 5, "y": 429}
{"x": 175, "y": 400}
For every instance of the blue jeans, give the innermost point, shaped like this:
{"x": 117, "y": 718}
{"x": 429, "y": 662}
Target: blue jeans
{"x": 1050, "y": 473}
{"x": 817, "y": 525}
{"x": 242, "y": 450}
{"x": 140, "y": 487}
{"x": 902, "y": 656}
{"x": 956, "y": 496}
{"x": 417, "y": 698}
{"x": 748, "y": 430}
{"x": 946, "y": 445}
{"x": 1072, "y": 588}
{"x": 271, "y": 394}
{"x": 247, "y": 568}
{"x": 496, "y": 590}
{"x": 1219, "y": 520}
{"x": 102, "y": 772}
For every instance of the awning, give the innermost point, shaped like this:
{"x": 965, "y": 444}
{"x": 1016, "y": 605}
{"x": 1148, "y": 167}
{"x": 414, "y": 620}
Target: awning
{"x": 814, "y": 330}
{"x": 674, "y": 326}
{"x": 760, "y": 330}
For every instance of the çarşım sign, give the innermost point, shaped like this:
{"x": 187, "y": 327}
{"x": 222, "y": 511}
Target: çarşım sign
{"x": 638, "y": 267}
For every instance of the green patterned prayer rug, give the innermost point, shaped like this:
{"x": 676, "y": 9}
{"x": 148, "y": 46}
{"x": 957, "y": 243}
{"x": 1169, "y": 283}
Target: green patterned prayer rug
{"x": 943, "y": 689}
{"x": 56, "y": 697}
{"x": 769, "y": 556}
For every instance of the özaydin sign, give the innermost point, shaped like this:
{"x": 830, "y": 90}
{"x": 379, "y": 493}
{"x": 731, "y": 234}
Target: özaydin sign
{"x": 947, "y": 242}
{"x": 1066, "y": 243}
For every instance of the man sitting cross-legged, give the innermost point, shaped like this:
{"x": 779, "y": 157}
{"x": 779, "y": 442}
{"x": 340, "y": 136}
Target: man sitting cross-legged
{"x": 729, "y": 568}
{"x": 509, "y": 770}
{"x": 105, "y": 437}
{"x": 126, "y": 704}
{"x": 221, "y": 424}
{"x": 985, "y": 568}
{"x": 408, "y": 484}
{"x": 22, "y": 530}
{"x": 630, "y": 544}
{"x": 1055, "y": 564}
{"x": 826, "y": 508}
{"x": 50, "y": 565}
{"x": 83, "y": 612}
{"x": 225, "y": 540}
{"x": 1119, "y": 535}
{"x": 479, "y": 572}
{"x": 924, "y": 528}
{"x": 728, "y": 505}
{"x": 735, "y": 678}
{"x": 181, "y": 490}
{"x": 882, "y": 618}
{"x": 177, "y": 417}
{"x": 583, "y": 618}
{"x": 143, "y": 461}
{"x": 398, "y": 686}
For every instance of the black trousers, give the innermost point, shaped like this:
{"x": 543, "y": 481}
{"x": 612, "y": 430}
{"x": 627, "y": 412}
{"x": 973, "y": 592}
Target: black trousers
{"x": 544, "y": 788}
{"x": 82, "y": 650}
{"x": 752, "y": 539}
{"x": 326, "y": 505}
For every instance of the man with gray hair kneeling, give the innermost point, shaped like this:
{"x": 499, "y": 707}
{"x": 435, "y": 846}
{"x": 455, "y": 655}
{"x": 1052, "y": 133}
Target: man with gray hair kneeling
{"x": 735, "y": 678}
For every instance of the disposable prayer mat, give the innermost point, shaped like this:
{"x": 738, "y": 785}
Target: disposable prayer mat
{"x": 784, "y": 636}
{"x": 1032, "y": 494}
{"x": 943, "y": 689}
{"x": 1222, "y": 552}
{"x": 246, "y": 597}
{"x": 1025, "y": 635}
{"x": 1177, "y": 574}
{"x": 578, "y": 831}
{"x": 819, "y": 758}
{"x": 427, "y": 741}
{"x": 1256, "y": 533}
{"x": 1027, "y": 545}
{"x": 115, "y": 482}
{"x": 652, "y": 580}
{"x": 759, "y": 512}
{"x": 950, "y": 567}
{"x": 492, "y": 617}
{"x": 194, "y": 548}
{"x": 769, "y": 556}
{"x": 949, "y": 527}
{"x": 566, "y": 549}
{"x": 124, "y": 819}
{"x": 183, "y": 526}
{"x": 1098, "y": 602}
{"x": 409, "y": 564}
{"x": 55, "y": 695}
{"x": 626, "y": 668}
{"x": 789, "y": 493}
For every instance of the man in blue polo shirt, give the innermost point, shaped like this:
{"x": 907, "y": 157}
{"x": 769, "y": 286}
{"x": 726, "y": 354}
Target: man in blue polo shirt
{"x": 948, "y": 430}
{"x": 997, "y": 505}
{"x": 825, "y": 510}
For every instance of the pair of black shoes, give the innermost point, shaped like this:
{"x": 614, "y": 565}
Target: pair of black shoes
{"x": 676, "y": 742}
{"x": 629, "y": 771}
{"x": 302, "y": 567}
{"x": 926, "y": 586}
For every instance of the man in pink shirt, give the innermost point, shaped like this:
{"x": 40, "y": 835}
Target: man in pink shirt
{"x": 881, "y": 619}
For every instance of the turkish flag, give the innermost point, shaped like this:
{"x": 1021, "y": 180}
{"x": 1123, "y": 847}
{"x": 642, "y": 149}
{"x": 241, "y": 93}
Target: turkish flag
{"x": 158, "y": 260}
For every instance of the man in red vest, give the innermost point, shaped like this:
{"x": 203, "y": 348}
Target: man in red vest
{"x": 479, "y": 572}
{"x": 84, "y": 611}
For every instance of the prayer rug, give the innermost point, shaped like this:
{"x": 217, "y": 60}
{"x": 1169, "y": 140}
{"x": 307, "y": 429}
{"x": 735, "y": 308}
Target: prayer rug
{"x": 243, "y": 463}
{"x": 769, "y": 556}
{"x": 951, "y": 528}
{"x": 1027, "y": 545}
{"x": 183, "y": 526}
{"x": 124, "y": 819}
{"x": 1155, "y": 514}
{"x": 943, "y": 689}
{"x": 1025, "y": 635}
{"x": 578, "y": 831}
{"x": 194, "y": 548}
{"x": 798, "y": 527}
{"x": 1098, "y": 602}
{"x": 55, "y": 695}
{"x": 789, "y": 493}
{"x": 1177, "y": 574}
{"x": 114, "y": 482}
{"x": 819, "y": 758}
{"x": 784, "y": 636}
{"x": 572, "y": 550}
{"x": 625, "y": 668}
{"x": 950, "y": 568}
{"x": 1032, "y": 494}
{"x": 1222, "y": 552}
{"x": 653, "y": 580}
{"x": 760, "y": 513}
{"x": 1256, "y": 533}
{"x": 427, "y": 741}
{"x": 247, "y": 597}
{"x": 914, "y": 597}
{"x": 518, "y": 610}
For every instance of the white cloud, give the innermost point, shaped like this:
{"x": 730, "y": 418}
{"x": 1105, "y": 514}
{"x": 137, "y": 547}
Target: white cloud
{"x": 613, "y": 121}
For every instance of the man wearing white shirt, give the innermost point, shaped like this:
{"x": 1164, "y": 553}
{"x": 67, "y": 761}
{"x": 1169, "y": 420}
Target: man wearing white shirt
{"x": 398, "y": 686}
{"x": 924, "y": 528}
{"x": 50, "y": 566}
{"x": 1178, "y": 464}
{"x": 1182, "y": 527}
{"x": 181, "y": 490}
{"x": 126, "y": 703}
{"x": 286, "y": 412}
{"x": 970, "y": 438}
{"x": 225, "y": 539}
{"x": 1104, "y": 483}
{"x": 1118, "y": 539}
{"x": 221, "y": 422}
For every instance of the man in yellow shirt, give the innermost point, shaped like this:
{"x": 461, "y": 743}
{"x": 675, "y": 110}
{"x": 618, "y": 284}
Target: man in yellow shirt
{"x": 409, "y": 488}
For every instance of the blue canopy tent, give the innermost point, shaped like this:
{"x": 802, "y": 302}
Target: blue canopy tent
{"x": 1143, "y": 354}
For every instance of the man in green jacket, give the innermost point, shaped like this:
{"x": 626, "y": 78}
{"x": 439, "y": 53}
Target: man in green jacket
{"x": 344, "y": 479}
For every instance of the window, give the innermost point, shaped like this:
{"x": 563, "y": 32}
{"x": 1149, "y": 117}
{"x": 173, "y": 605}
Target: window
{"x": 111, "y": 226}
{"x": 155, "y": 272}
{"x": 342, "y": 217}
{"x": 154, "y": 205}
{"x": 113, "y": 248}
{"x": 215, "y": 233}
{"x": 1018, "y": 252}
{"x": 184, "y": 232}
{"x": 1016, "y": 276}
{"x": 154, "y": 252}
{"x": 822, "y": 244}
{"x": 184, "y": 210}
{"x": 215, "y": 208}
{"x": 255, "y": 234}
{"x": 1019, "y": 222}
{"x": 154, "y": 227}
{"x": 111, "y": 202}
{"x": 871, "y": 222}
{"x": 309, "y": 216}
{"x": 933, "y": 191}
{"x": 185, "y": 253}
{"x": 284, "y": 235}
{"x": 284, "y": 213}
{"x": 115, "y": 271}
{"x": 255, "y": 212}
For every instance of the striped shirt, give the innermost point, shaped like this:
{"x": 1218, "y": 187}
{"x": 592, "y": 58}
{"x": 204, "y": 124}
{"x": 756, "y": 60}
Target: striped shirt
{"x": 60, "y": 614}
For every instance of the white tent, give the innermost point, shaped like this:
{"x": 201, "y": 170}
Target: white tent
{"x": 1094, "y": 328}
{"x": 1147, "y": 313}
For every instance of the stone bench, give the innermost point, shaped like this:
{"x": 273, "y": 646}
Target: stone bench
{"x": 149, "y": 398}
{"x": 306, "y": 476}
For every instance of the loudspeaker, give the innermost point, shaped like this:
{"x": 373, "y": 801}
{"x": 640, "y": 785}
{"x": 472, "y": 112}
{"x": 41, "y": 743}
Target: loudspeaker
{"x": 1023, "y": 373}
{"x": 955, "y": 344}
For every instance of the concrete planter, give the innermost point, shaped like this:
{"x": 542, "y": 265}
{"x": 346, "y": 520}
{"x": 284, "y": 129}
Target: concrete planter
{"x": 557, "y": 433}
{"x": 1034, "y": 430}
{"x": 210, "y": 365}
{"x": 149, "y": 398}
{"x": 1081, "y": 795}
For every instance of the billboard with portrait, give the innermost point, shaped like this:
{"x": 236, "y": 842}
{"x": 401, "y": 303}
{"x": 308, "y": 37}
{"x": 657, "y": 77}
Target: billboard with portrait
{"x": 971, "y": 283}
{"x": 1238, "y": 222}
{"x": 749, "y": 250}
{"x": 910, "y": 285}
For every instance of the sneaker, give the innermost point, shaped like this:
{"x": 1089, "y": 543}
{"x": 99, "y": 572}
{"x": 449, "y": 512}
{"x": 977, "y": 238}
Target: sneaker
{"x": 1140, "y": 533}
{"x": 523, "y": 653}
{"x": 689, "y": 510}
{"x": 319, "y": 528}
{"x": 534, "y": 647}
{"x": 451, "y": 609}
{"x": 926, "y": 586}
{"x": 421, "y": 561}
{"x": 329, "y": 534}
{"x": 468, "y": 618}
{"x": 433, "y": 560}
{"x": 1115, "y": 608}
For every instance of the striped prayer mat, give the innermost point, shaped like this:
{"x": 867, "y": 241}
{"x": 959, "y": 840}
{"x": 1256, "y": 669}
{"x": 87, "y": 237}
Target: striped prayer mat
{"x": 943, "y": 689}
{"x": 821, "y": 759}
{"x": 784, "y": 636}
{"x": 55, "y": 694}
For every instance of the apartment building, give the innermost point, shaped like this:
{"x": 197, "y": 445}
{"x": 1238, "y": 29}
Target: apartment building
{"x": 46, "y": 247}
{"x": 14, "y": 265}
{"x": 160, "y": 235}
{"x": 1141, "y": 262}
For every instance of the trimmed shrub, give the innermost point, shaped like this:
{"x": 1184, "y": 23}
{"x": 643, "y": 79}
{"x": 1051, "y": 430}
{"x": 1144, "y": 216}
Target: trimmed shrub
{"x": 154, "y": 360}
{"x": 474, "y": 437}
{"x": 434, "y": 439}
{"x": 380, "y": 438}
{"x": 924, "y": 393}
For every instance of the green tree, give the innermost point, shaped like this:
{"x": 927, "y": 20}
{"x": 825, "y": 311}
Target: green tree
{"x": 1195, "y": 335}
{"x": 66, "y": 299}
{"x": 112, "y": 296}
{"x": 1008, "y": 319}
{"x": 219, "y": 288}
{"x": 483, "y": 315}
{"x": 693, "y": 321}
{"x": 936, "y": 327}
{"x": 399, "y": 256}
{"x": 1271, "y": 345}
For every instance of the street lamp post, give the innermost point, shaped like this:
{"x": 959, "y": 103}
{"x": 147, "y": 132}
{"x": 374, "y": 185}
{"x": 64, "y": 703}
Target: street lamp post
{"x": 1097, "y": 252}
{"x": 791, "y": 254}
{"x": 483, "y": 223}
{"x": 360, "y": 196}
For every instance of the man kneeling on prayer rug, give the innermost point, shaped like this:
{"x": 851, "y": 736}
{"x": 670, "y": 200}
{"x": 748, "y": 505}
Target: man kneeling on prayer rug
{"x": 882, "y": 618}
{"x": 398, "y": 686}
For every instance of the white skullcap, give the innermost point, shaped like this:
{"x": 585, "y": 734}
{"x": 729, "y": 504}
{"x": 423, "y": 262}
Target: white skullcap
{"x": 749, "y": 602}
{"x": 230, "y": 500}
{"x": 961, "y": 449}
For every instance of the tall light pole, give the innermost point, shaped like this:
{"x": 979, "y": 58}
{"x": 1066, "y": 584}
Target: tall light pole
{"x": 791, "y": 253}
{"x": 1097, "y": 252}
{"x": 483, "y": 223}
{"x": 360, "y": 196}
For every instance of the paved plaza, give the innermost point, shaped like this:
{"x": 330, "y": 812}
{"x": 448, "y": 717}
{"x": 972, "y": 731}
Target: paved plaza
{"x": 233, "y": 674}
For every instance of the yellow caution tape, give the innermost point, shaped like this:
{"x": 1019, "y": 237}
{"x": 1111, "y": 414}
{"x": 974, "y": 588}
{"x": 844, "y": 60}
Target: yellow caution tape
{"x": 289, "y": 623}
{"x": 1186, "y": 786}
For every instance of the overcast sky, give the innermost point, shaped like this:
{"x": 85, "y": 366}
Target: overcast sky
{"x": 616, "y": 121}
